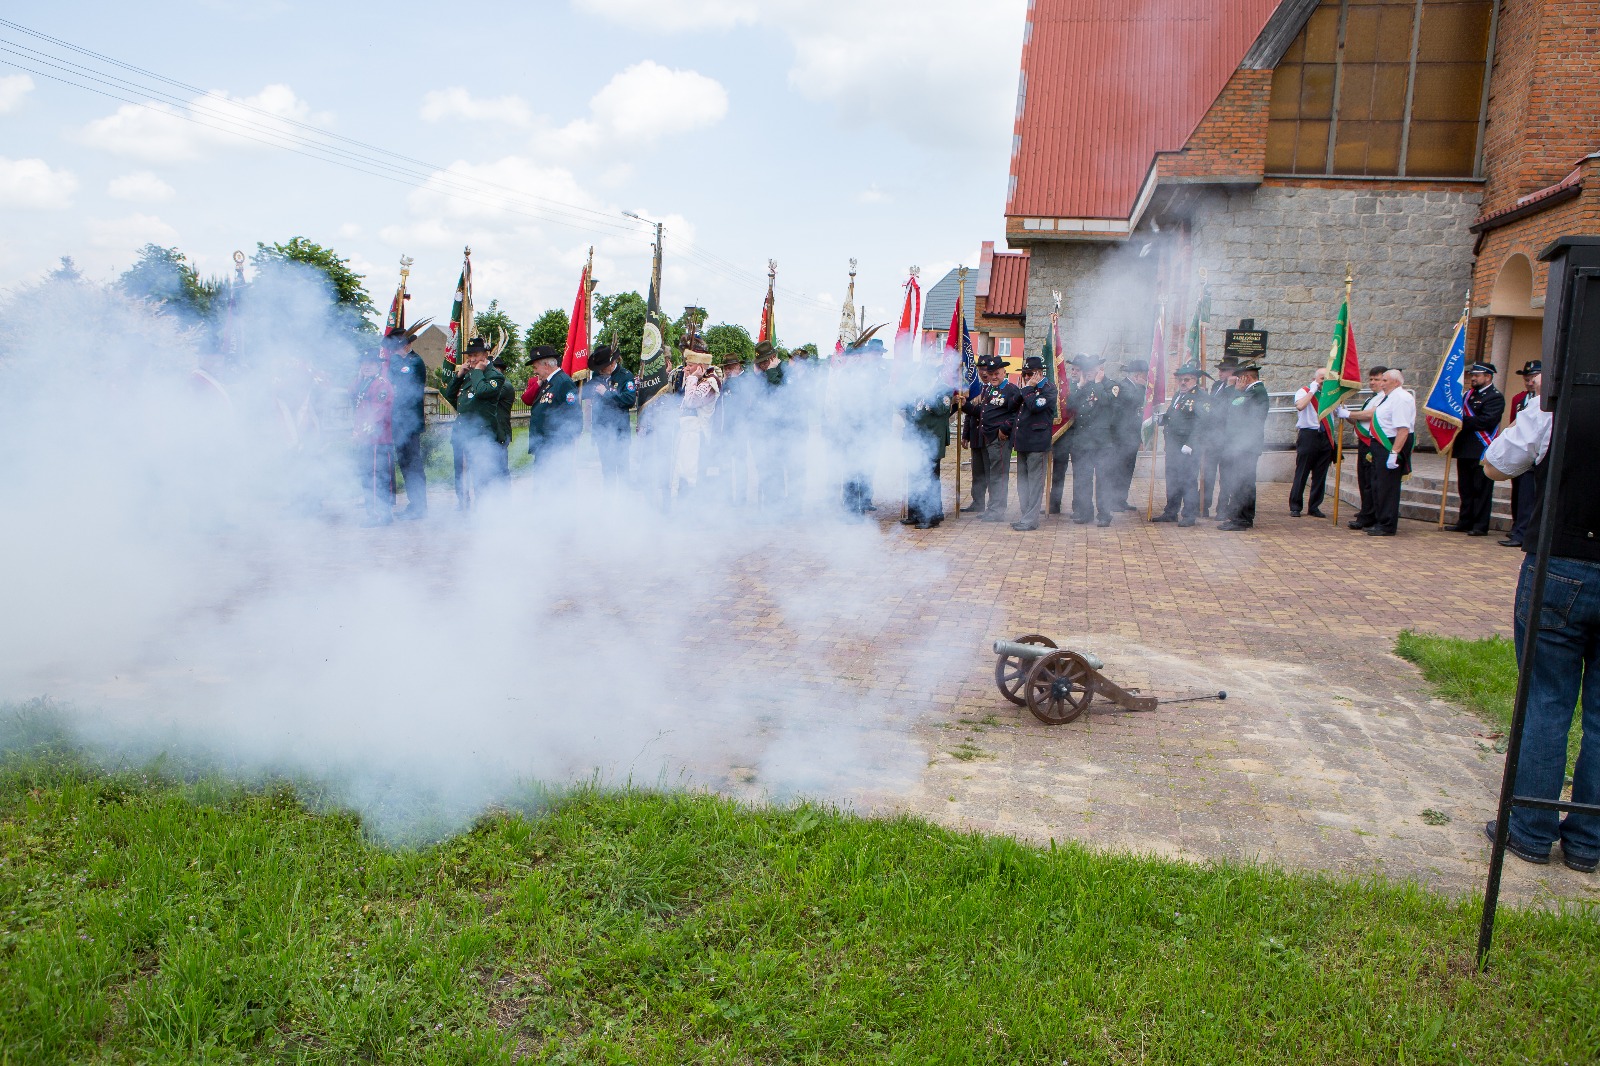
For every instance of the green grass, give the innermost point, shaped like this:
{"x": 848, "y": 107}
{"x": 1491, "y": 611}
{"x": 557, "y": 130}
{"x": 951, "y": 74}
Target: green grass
{"x": 152, "y": 920}
{"x": 1481, "y": 675}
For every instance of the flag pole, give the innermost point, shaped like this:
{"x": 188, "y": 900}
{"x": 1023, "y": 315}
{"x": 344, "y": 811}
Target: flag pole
{"x": 1050, "y": 375}
{"x": 1338, "y": 439}
{"x": 1444, "y": 493}
{"x": 961, "y": 303}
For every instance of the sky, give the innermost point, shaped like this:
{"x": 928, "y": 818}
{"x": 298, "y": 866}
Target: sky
{"x": 808, "y": 132}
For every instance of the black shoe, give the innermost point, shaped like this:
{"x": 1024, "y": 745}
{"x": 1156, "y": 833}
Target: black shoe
{"x": 870, "y": 507}
{"x": 1314, "y": 513}
{"x": 1205, "y": 512}
{"x": 1233, "y": 527}
{"x": 1023, "y": 527}
{"x": 1458, "y": 529}
{"x": 1294, "y": 514}
{"x": 926, "y": 525}
{"x": 1510, "y": 542}
{"x": 1165, "y": 518}
{"x": 1583, "y": 866}
{"x": 1106, "y": 521}
{"x": 1477, "y": 532}
{"x": 1356, "y": 523}
{"x": 935, "y": 521}
{"x": 909, "y": 520}
{"x": 1375, "y": 532}
{"x": 971, "y": 508}
{"x": 1185, "y": 523}
{"x": 996, "y": 517}
{"x": 1526, "y": 854}
{"x": 1081, "y": 521}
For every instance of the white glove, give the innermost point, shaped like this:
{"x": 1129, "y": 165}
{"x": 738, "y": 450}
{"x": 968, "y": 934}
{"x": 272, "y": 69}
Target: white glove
{"x": 1394, "y": 461}
{"x": 1187, "y": 450}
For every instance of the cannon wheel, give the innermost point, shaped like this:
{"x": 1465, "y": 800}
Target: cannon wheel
{"x": 1059, "y": 687}
{"x": 1011, "y": 673}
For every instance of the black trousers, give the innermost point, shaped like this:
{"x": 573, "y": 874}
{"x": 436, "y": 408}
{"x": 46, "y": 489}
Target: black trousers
{"x": 1095, "y": 482}
{"x": 1239, "y": 488}
{"x": 997, "y": 475}
{"x": 458, "y": 459}
{"x": 1060, "y": 458}
{"x": 980, "y": 478}
{"x": 1524, "y": 500}
{"x": 1183, "y": 481}
{"x": 1212, "y": 494}
{"x": 1385, "y": 492}
{"x": 925, "y": 497}
{"x": 408, "y": 456}
{"x": 1313, "y": 453}
{"x": 1476, "y": 492}
{"x": 613, "y": 445}
{"x": 1365, "y": 458}
{"x": 1127, "y": 462}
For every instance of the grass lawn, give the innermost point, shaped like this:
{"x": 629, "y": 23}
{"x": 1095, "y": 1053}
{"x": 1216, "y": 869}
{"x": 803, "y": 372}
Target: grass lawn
{"x": 159, "y": 920}
{"x": 1481, "y": 675}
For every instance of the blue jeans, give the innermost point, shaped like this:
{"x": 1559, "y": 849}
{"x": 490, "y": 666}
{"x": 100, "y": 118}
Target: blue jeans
{"x": 1569, "y": 658}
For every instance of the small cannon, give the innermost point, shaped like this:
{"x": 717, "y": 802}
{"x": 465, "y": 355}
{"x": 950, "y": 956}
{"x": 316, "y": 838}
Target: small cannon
{"x": 1056, "y": 684}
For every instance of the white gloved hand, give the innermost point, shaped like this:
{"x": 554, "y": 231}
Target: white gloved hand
{"x": 1394, "y": 461}
{"x": 1187, "y": 450}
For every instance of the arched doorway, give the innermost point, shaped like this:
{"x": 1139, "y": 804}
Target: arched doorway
{"x": 1517, "y": 325}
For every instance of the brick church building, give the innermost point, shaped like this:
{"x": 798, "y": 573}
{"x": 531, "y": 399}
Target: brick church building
{"x": 1256, "y": 147}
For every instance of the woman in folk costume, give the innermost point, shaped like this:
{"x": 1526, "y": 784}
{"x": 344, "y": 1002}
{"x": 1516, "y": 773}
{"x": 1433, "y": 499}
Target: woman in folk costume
{"x": 702, "y": 385}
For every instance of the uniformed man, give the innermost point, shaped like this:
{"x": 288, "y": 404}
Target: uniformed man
{"x": 373, "y": 398}
{"x": 502, "y": 420}
{"x": 1035, "y": 418}
{"x": 1213, "y": 499}
{"x": 408, "y": 377}
{"x": 701, "y": 388}
{"x": 1481, "y": 410}
{"x": 614, "y": 393}
{"x": 1127, "y": 428}
{"x": 928, "y": 427}
{"x": 554, "y": 418}
{"x": 1392, "y": 421}
{"x": 475, "y": 393}
{"x": 1365, "y": 517}
{"x": 994, "y": 412}
{"x": 1524, "y": 489}
{"x": 1061, "y": 449}
{"x": 1244, "y": 431}
{"x": 1181, "y": 423}
{"x": 1092, "y": 454}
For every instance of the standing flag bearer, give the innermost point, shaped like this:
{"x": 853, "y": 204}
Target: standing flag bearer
{"x": 1343, "y": 380}
{"x": 1481, "y": 410}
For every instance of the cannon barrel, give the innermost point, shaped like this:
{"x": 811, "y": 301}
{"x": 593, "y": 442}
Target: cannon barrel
{"x": 1039, "y": 651}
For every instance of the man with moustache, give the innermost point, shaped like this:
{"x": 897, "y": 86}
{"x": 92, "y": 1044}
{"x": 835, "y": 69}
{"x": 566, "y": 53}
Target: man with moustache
{"x": 1481, "y": 410}
{"x": 1243, "y": 441}
{"x": 475, "y": 394}
{"x": 994, "y": 412}
{"x": 408, "y": 378}
{"x": 1392, "y": 421}
{"x": 1212, "y": 497}
{"x": 1181, "y": 423}
{"x": 1035, "y": 419}
{"x": 1093, "y": 491}
{"x": 554, "y": 417}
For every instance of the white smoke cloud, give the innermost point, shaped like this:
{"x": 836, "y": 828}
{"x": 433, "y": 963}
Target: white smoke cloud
{"x": 33, "y": 183}
{"x": 158, "y": 132}
{"x": 203, "y": 587}
{"x": 14, "y": 88}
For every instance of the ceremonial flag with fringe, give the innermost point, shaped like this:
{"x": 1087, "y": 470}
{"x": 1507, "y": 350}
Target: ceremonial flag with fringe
{"x": 1344, "y": 368}
{"x": 575, "y": 360}
{"x": 1155, "y": 389}
{"x": 1055, "y": 368}
{"x": 905, "y": 334}
{"x": 461, "y": 319}
{"x": 1445, "y": 403}
{"x": 769, "y": 326}
{"x": 653, "y": 361}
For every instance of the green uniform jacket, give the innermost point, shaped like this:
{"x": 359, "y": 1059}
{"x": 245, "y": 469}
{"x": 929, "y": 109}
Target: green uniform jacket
{"x": 929, "y": 418}
{"x": 555, "y": 417}
{"x": 1182, "y": 418}
{"x": 476, "y": 397}
{"x": 1245, "y": 428}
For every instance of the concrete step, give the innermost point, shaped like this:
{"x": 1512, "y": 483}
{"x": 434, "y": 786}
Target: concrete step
{"x": 1419, "y": 499}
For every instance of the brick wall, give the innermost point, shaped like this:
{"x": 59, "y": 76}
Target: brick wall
{"x": 1530, "y": 236}
{"x": 1231, "y": 140}
{"x": 1543, "y": 115}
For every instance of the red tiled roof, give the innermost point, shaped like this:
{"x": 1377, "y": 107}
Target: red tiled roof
{"x": 1106, "y": 84}
{"x": 1572, "y": 184}
{"x": 1008, "y": 284}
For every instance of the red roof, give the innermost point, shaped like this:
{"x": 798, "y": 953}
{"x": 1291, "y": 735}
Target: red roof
{"x": 1106, "y": 84}
{"x": 1008, "y": 284}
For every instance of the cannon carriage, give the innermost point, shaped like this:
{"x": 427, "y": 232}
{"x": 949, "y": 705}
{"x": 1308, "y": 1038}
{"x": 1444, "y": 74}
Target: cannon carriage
{"x": 1057, "y": 684}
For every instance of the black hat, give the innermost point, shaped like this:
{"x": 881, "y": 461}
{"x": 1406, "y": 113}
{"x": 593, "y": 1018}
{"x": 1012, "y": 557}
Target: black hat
{"x": 1191, "y": 370}
{"x": 1229, "y": 362}
{"x": 370, "y": 354}
{"x": 1481, "y": 368}
{"x": 1137, "y": 366}
{"x": 602, "y": 356}
{"x": 1532, "y": 366}
{"x": 499, "y": 362}
{"x": 764, "y": 349}
{"x": 542, "y": 351}
{"x": 1033, "y": 362}
{"x": 990, "y": 362}
{"x": 1247, "y": 368}
{"x": 476, "y": 346}
{"x": 1084, "y": 361}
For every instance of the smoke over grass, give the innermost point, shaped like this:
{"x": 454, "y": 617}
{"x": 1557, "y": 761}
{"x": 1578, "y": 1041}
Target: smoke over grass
{"x": 188, "y": 576}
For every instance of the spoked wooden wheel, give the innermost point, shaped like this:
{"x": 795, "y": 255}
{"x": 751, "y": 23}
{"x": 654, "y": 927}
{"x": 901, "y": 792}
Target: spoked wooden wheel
{"x": 1059, "y": 687}
{"x": 1011, "y": 673}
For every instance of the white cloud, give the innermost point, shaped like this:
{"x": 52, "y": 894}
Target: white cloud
{"x": 32, "y": 183}
{"x": 129, "y": 234}
{"x": 159, "y": 132}
{"x": 675, "y": 15}
{"x": 648, "y": 100}
{"x": 140, "y": 187}
{"x": 441, "y": 104}
{"x": 13, "y": 87}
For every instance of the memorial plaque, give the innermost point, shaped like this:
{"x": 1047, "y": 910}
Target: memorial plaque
{"x": 1245, "y": 345}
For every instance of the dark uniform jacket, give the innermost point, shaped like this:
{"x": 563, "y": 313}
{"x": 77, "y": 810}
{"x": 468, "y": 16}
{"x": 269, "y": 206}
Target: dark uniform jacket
{"x": 1480, "y": 413}
{"x": 1182, "y": 418}
{"x": 1127, "y": 418}
{"x": 555, "y": 417}
{"x": 1214, "y": 415}
{"x": 995, "y": 411}
{"x": 611, "y": 411}
{"x": 1096, "y": 407}
{"x": 409, "y": 376}
{"x": 1035, "y": 417}
{"x": 476, "y": 397}
{"x": 929, "y": 419}
{"x": 1244, "y": 428}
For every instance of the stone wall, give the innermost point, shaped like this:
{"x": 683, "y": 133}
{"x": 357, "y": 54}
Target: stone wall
{"x": 1277, "y": 253}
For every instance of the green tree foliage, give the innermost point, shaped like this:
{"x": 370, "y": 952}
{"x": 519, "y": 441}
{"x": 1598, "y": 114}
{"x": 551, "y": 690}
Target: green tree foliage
{"x": 725, "y": 338}
{"x": 550, "y": 329}
{"x": 621, "y": 324}
{"x": 354, "y": 306}
{"x": 163, "y": 277}
{"x": 810, "y": 349}
{"x": 67, "y": 271}
{"x": 673, "y": 333}
{"x": 492, "y": 322}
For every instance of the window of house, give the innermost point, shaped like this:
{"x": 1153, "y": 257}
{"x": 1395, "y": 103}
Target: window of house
{"x": 1383, "y": 88}
{"x": 1002, "y": 347}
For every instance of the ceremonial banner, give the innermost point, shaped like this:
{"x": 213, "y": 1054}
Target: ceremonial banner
{"x": 1155, "y": 389}
{"x": 960, "y": 371}
{"x": 653, "y": 354}
{"x": 575, "y": 360}
{"x": 461, "y": 322}
{"x": 1344, "y": 369}
{"x": 1443, "y": 408}
{"x": 848, "y": 329}
{"x": 1195, "y": 343}
{"x": 905, "y": 334}
{"x": 769, "y": 327}
{"x": 1055, "y": 368}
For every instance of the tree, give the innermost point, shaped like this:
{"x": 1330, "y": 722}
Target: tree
{"x": 67, "y": 271}
{"x": 673, "y": 333}
{"x": 621, "y": 324}
{"x": 492, "y": 322}
{"x": 549, "y": 329}
{"x": 725, "y": 338}
{"x": 353, "y": 307}
{"x": 809, "y": 349}
{"x": 164, "y": 278}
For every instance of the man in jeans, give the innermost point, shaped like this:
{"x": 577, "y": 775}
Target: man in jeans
{"x": 1568, "y": 660}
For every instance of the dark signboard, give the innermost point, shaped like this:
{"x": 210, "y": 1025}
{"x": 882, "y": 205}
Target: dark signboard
{"x": 1246, "y": 345}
